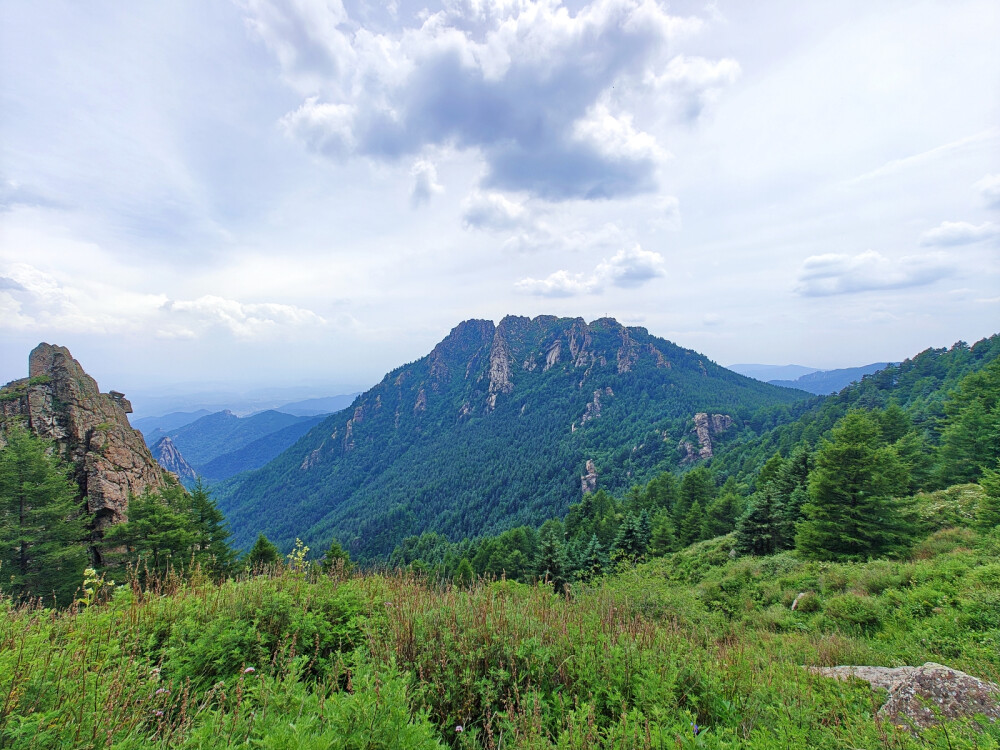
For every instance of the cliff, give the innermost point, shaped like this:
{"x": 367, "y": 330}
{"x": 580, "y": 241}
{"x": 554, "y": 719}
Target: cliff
{"x": 58, "y": 401}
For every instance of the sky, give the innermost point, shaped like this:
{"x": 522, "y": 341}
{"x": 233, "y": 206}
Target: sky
{"x": 313, "y": 192}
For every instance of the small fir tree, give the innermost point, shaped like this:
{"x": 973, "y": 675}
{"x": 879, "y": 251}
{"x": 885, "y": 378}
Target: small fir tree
{"x": 852, "y": 513}
{"x": 336, "y": 558}
{"x": 263, "y": 553}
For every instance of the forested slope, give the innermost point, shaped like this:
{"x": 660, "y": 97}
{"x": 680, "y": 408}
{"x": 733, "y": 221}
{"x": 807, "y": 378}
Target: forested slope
{"x": 492, "y": 429}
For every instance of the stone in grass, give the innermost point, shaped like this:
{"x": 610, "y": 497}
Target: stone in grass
{"x": 921, "y": 697}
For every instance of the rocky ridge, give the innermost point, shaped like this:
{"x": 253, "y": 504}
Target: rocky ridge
{"x": 58, "y": 401}
{"x": 706, "y": 426}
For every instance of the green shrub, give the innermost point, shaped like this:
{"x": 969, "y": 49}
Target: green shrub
{"x": 854, "y": 613}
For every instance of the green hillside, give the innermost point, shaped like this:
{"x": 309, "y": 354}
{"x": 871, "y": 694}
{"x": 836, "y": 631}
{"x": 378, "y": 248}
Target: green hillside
{"x": 492, "y": 429}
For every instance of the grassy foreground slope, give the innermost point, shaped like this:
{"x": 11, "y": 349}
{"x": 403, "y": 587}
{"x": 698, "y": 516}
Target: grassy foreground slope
{"x": 690, "y": 650}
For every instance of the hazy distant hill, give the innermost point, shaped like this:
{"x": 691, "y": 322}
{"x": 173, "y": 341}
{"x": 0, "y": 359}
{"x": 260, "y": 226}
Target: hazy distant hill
{"x": 494, "y": 428}
{"x": 257, "y": 453}
{"x": 162, "y": 425}
{"x": 222, "y": 444}
{"x": 769, "y": 373}
{"x": 823, "y": 382}
{"x": 312, "y": 406}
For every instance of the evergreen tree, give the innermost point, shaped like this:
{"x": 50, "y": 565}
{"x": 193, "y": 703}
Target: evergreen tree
{"x": 263, "y": 553}
{"x": 851, "y": 513}
{"x": 464, "y": 575}
{"x": 551, "y": 563}
{"x": 43, "y": 531}
{"x": 691, "y": 525}
{"x": 664, "y": 538}
{"x": 755, "y": 531}
{"x": 630, "y": 544}
{"x": 336, "y": 558}
{"x": 971, "y": 438}
{"x": 160, "y": 532}
{"x": 988, "y": 512}
{"x": 595, "y": 560}
{"x": 211, "y": 533}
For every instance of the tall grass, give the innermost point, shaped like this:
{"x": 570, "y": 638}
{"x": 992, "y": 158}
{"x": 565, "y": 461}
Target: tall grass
{"x": 676, "y": 653}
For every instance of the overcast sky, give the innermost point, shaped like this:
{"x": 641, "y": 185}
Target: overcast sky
{"x": 317, "y": 191}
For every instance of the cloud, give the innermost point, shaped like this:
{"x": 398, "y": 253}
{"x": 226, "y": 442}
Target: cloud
{"x": 558, "y": 284}
{"x": 493, "y": 212}
{"x": 826, "y": 275}
{"x": 33, "y": 299}
{"x": 989, "y": 190}
{"x": 631, "y": 267}
{"x": 959, "y": 233}
{"x": 525, "y": 84}
{"x": 242, "y": 319}
{"x": 628, "y": 268}
{"x": 695, "y": 82}
{"x": 425, "y": 184}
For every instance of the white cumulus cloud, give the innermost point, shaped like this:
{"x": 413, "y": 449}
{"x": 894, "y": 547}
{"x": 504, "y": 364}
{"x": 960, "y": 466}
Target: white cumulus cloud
{"x": 425, "y": 184}
{"x": 526, "y": 84}
{"x": 628, "y": 268}
{"x": 959, "y": 233}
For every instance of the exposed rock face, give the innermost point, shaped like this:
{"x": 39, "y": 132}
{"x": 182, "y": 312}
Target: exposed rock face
{"x": 167, "y": 456}
{"x": 61, "y": 403}
{"x": 920, "y": 697}
{"x": 588, "y": 482}
{"x": 706, "y": 426}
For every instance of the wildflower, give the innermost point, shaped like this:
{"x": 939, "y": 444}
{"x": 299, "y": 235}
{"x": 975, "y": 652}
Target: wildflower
{"x": 249, "y": 670}
{"x": 459, "y": 728}
{"x": 161, "y": 691}
{"x": 695, "y": 728}
{"x": 158, "y": 713}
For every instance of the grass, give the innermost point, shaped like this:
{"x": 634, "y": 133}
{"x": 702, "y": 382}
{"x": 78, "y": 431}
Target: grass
{"x": 693, "y": 650}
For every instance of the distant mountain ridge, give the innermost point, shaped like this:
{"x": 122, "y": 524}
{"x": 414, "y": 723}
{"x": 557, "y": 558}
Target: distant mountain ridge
{"x": 217, "y": 446}
{"x": 824, "y": 382}
{"x": 493, "y": 428}
{"x": 769, "y": 373}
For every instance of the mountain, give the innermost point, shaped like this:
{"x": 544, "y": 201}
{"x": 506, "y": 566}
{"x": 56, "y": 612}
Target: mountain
{"x": 167, "y": 456}
{"x": 311, "y": 407}
{"x": 219, "y": 445}
{"x": 60, "y": 402}
{"x": 499, "y": 425}
{"x": 257, "y": 453}
{"x": 768, "y": 373}
{"x": 167, "y": 422}
{"x": 823, "y": 382}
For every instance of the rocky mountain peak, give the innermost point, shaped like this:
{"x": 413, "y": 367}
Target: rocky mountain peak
{"x": 62, "y": 403}
{"x": 169, "y": 457}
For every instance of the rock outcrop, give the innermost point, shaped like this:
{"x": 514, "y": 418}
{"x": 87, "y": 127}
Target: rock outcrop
{"x": 167, "y": 456}
{"x": 588, "y": 482}
{"x": 61, "y": 403}
{"x": 706, "y": 426}
{"x": 921, "y": 697}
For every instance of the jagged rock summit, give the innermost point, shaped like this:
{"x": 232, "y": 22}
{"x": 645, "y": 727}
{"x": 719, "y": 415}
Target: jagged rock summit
{"x": 169, "y": 457}
{"x": 60, "y": 402}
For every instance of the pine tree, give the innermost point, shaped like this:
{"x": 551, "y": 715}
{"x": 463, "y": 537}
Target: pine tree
{"x": 755, "y": 531}
{"x": 262, "y": 554}
{"x": 851, "y": 513}
{"x": 664, "y": 539}
{"x": 160, "y": 532}
{"x": 988, "y": 512}
{"x": 691, "y": 525}
{"x": 551, "y": 563}
{"x": 211, "y": 534}
{"x": 464, "y": 575}
{"x": 336, "y": 558}
{"x": 594, "y": 561}
{"x": 43, "y": 531}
